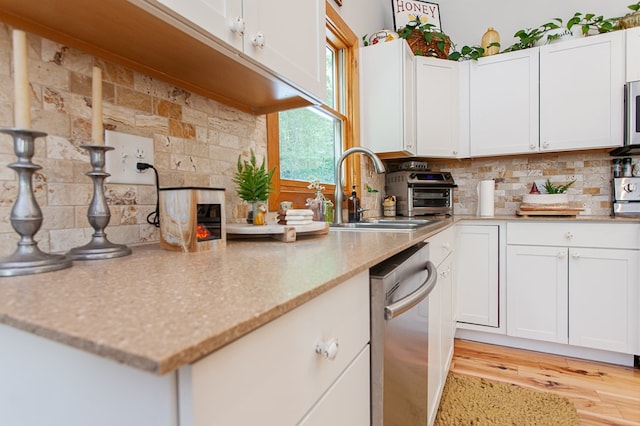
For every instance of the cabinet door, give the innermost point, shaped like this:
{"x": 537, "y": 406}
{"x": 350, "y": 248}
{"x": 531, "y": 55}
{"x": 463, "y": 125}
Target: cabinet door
{"x": 441, "y": 332}
{"x": 603, "y": 299}
{"x": 347, "y": 402}
{"x": 537, "y": 291}
{"x": 435, "y": 381}
{"x": 439, "y": 94}
{"x": 216, "y": 17}
{"x": 477, "y": 260}
{"x": 387, "y": 98}
{"x": 295, "y": 50}
{"x": 632, "y": 49}
{"x": 504, "y": 103}
{"x": 581, "y": 93}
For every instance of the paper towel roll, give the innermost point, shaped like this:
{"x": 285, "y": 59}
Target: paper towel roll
{"x": 486, "y": 190}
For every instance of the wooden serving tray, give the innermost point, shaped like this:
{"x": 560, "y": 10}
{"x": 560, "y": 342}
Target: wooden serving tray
{"x": 550, "y": 212}
{"x": 285, "y": 233}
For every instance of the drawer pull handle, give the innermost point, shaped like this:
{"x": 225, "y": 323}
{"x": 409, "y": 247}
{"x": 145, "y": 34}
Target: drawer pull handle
{"x": 328, "y": 349}
{"x": 258, "y": 41}
{"x": 238, "y": 26}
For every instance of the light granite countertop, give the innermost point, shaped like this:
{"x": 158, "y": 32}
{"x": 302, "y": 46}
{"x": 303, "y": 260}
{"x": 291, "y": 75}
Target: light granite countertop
{"x": 157, "y": 310}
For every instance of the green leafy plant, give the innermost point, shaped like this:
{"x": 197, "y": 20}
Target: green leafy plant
{"x": 254, "y": 182}
{"x": 589, "y": 22}
{"x": 635, "y": 7}
{"x": 469, "y": 52}
{"x": 556, "y": 188}
{"x": 530, "y": 36}
{"x": 430, "y": 32}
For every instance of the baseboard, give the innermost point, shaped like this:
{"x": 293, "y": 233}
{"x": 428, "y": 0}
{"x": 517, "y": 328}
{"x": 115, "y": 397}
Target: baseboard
{"x": 548, "y": 347}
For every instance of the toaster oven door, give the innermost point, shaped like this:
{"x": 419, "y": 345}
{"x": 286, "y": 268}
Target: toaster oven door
{"x": 431, "y": 197}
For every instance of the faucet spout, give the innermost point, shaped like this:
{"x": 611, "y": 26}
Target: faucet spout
{"x": 338, "y": 194}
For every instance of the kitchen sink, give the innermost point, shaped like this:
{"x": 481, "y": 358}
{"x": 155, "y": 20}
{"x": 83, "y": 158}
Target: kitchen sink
{"x": 379, "y": 224}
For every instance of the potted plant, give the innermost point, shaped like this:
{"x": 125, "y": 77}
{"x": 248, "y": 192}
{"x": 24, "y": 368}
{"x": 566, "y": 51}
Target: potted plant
{"x": 554, "y": 194}
{"x": 425, "y": 39}
{"x": 254, "y": 182}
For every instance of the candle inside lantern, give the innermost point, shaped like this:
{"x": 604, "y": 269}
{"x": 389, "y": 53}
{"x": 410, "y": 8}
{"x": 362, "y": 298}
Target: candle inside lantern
{"x": 97, "y": 135}
{"x": 22, "y": 114}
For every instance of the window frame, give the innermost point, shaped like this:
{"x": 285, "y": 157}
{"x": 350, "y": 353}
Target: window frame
{"x": 338, "y": 34}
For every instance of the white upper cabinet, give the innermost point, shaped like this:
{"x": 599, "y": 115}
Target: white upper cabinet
{"x": 633, "y": 58}
{"x": 504, "y": 104}
{"x": 387, "y": 99}
{"x": 442, "y": 108}
{"x": 581, "y": 93}
{"x": 286, "y": 36}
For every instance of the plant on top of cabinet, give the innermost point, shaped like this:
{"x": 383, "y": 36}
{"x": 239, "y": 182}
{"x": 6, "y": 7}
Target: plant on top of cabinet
{"x": 425, "y": 39}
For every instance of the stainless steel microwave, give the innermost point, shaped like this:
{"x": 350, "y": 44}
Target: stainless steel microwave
{"x": 632, "y": 113}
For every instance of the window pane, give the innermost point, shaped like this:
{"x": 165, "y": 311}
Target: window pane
{"x": 331, "y": 73}
{"x": 307, "y": 144}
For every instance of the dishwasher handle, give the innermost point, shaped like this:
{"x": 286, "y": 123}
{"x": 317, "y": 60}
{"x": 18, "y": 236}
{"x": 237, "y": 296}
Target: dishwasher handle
{"x": 397, "y": 308}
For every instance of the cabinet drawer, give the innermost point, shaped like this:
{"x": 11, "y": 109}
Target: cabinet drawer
{"x": 604, "y": 235}
{"x": 274, "y": 375}
{"x": 441, "y": 245}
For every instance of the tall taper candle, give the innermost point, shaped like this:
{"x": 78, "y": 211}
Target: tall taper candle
{"x": 97, "y": 135}
{"x": 22, "y": 118}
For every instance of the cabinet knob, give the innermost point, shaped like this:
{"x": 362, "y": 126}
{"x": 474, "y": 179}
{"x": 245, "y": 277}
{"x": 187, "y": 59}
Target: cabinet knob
{"x": 569, "y": 235}
{"x": 455, "y": 152}
{"x": 446, "y": 247}
{"x": 561, "y": 255}
{"x": 533, "y": 146}
{"x": 238, "y": 26}
{"x": 545, "y": 145}
{"x": 328, "y": 349}
{"x": 258, "y": 40}
{"x": 576, "y": 255}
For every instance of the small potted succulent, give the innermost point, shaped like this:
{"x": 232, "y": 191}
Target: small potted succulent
{"x": 254, "y": 183}
{"x": 551, "y": 194}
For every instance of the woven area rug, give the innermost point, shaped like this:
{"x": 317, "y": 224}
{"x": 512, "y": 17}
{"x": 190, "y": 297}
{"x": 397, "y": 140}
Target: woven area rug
{"x": 474, "y": 401}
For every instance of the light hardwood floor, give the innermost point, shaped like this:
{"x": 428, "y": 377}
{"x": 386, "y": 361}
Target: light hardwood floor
{"x": 604, "y": 394}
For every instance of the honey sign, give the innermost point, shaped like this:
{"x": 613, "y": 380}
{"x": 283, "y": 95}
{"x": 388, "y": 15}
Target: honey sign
{"x": 408, "y": 10}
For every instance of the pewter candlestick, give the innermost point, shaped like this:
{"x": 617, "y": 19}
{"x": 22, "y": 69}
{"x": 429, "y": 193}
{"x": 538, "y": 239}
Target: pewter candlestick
{"x": 98, "y": 214}
{"x": 26, "y": 216}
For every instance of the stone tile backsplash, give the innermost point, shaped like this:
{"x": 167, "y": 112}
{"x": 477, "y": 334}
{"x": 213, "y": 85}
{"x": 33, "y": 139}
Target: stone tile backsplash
{"x": 514, "y": 176}
{"x": 197, "y": 142}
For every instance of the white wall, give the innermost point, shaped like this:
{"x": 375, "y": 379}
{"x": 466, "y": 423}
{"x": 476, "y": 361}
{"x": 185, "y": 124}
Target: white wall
{"x": 465, "y": 21}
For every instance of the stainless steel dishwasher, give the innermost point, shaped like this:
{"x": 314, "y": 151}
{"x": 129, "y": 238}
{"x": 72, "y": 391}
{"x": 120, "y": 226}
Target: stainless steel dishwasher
{"x": 400, "y": 287}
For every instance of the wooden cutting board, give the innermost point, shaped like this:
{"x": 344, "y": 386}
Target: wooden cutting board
{"x": 550, "y": 212}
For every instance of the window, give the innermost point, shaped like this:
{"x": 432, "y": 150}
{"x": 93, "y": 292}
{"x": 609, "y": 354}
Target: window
{"x": 305, "y": 143}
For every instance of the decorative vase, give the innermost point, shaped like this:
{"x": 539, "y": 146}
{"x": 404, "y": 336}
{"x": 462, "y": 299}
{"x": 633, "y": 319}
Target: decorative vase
{"x": 259, "y": 213}
{"x": 491, "y": 36}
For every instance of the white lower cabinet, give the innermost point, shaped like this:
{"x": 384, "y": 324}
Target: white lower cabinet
{"x": 275, "y": 376}
{"x": 574, "y": 283}
{"x": 478, "y": 283}
{"x": 441, "y": 320}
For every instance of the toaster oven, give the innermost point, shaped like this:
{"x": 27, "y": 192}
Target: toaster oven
{"x": 421, "y": 193}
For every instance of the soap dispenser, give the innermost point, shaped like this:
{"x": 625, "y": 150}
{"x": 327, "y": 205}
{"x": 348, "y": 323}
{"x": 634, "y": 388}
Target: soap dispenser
{"x": 353, "y": 206}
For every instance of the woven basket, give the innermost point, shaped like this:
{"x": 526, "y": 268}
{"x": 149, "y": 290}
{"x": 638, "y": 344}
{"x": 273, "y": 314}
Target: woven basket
{"x": 420, "y": 47}
{"x": 631, "y": 20}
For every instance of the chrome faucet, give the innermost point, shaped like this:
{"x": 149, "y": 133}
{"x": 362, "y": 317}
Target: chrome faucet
{"x": 377, "y": 164}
